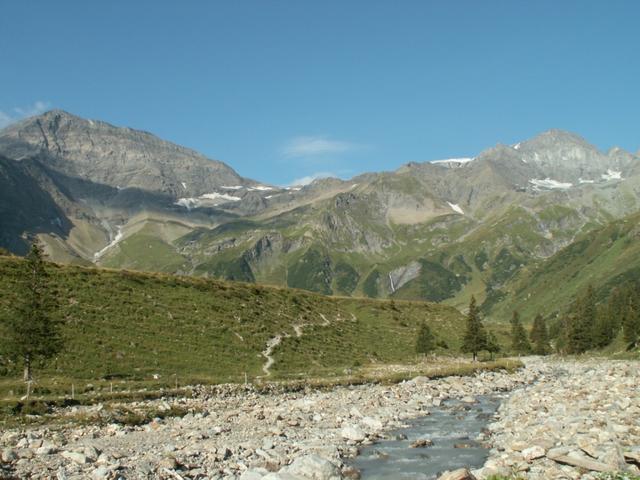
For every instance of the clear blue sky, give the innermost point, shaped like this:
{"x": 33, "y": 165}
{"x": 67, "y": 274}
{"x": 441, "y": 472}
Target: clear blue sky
{"x": 284, "y": 89}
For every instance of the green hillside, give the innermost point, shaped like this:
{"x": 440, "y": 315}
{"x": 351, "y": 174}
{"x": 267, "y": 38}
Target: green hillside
{"x": 606, "y": 258}
{"x": 125, "y": 325}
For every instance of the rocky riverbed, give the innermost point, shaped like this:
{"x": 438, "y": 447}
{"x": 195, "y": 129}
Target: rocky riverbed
{"x": 577, "y": 419}
{"x": 240, "y": 433}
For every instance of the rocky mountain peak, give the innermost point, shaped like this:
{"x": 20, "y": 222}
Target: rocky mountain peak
{"x": 117, "y": 157}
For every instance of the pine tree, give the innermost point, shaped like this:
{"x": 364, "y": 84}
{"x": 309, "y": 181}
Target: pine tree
{"x": 475, "y": 337}
{"x": 581, "y": 325}
{"x": 539, "y": 336}
{"x": 604, "y": 329}
{"x": 425, "y": 342}
{"x": 631, "y": 325}
{"x": 617, "y": 307}
{"x": 33, "y": 333}
{"x": 519, "y": 341}
{"x": 493, "y": 346}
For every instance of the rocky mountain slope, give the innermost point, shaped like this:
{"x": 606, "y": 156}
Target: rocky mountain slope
{"x": 438, "y": 231}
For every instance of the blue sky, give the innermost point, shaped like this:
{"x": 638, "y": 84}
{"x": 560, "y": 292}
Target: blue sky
{"x": 281, "y": 90}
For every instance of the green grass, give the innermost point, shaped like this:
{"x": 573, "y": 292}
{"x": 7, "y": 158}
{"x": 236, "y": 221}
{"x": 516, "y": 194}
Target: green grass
{"x": 125, "y": 327}
{"x": 605, "y": 258}
{"x": 145, "y": 251}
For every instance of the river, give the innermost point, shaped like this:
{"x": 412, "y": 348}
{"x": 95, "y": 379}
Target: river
{"x": 453, "y": 428}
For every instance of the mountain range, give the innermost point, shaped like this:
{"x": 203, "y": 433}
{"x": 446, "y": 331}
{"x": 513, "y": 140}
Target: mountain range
{"x": 519, "y": 226}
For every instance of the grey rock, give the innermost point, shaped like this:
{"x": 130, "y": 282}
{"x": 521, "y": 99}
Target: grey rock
{"x": 313, "y": 467}
{"x": 353, "y": 433}
{"x": 533, "y": 453}
{"x": 460, "y": 474}
{"x": 100, "y": 473}
{"x": 76, "y": 457}
{"x": 9, "y": 455}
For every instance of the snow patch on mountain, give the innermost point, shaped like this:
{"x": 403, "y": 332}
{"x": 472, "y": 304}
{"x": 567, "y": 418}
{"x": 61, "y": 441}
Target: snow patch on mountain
{"x": 550, "y": 184}
{"x": 187, "y": 203}
{"x": 452, "y": 162}
{"x": 232, "y": 187}
{"x": 612, "y": 175}
{"x": 220, "y": 196}
{"x": 262, "y": 188}
{"x": 456, "y": 208}
{"x": 582, "y": 180}
{"x": 191, "y": 202}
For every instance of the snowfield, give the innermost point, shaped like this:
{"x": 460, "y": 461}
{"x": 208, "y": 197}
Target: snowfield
{"x": 452, "y": 162}
{"x": 612, "y": 175}
{"x": 549, "y": 184}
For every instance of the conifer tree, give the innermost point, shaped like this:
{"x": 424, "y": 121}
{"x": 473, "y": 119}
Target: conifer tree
{"x": 631, "y": 325}
{"x": 33, "y": 333}
{"x": 425, "y": 342}
{"x": 475, "y": 337}
{"x": 519, "y": 341}
{"x": 581, "y": 325}
{"x": 493, "y": 346}
{"x": 604, "y": 329}
{"x": 539, "y": 336}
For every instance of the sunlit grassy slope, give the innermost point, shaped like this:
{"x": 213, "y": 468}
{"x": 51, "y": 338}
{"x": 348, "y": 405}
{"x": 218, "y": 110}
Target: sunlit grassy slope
{"x": 120, "y": 324}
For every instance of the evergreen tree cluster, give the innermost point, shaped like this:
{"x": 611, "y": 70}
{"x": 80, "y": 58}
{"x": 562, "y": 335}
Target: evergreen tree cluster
{"x": 536, "y": 342}
{"x": 539, "y": 336}
{"x": 32, "y": 331}
{"x": 590, "y": 325}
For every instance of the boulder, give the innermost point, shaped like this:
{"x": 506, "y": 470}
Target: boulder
{"x": 313, "y": 467}
{"x": 100, "y": 473}
{"x": 422, "y": 443}
{"x": 574, "y": 459}
{"x": 372, "y": 423}
{"x": 76, "y": 457}
{"x": 254, "y": 474}
{"x": 353, "y": 433}
{"x": 533, "y": 453}
{"x": 9, "y": 455}
{"x": 281, "y": 476}
{"x": 460, "y": 474}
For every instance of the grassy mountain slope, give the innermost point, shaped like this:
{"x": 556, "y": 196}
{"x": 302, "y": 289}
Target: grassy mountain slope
{"x": 120, "y": 324}
{"x": 606, "y": 257}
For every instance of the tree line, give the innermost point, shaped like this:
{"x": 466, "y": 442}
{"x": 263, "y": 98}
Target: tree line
{"x": 586, "y": 325}
{"x": 589, "y": 324}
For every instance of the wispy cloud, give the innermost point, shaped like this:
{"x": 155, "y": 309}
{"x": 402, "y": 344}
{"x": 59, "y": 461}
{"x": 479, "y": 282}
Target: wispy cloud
{"x": 300, "y": 182}
{"x": 311, "y": 146}
{"x": 18, "y": 113}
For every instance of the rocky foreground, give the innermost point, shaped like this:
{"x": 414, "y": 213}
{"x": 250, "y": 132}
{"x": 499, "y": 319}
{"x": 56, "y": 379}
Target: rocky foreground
{"x": 577, "y": 419}
{"x": 563, "y": 419}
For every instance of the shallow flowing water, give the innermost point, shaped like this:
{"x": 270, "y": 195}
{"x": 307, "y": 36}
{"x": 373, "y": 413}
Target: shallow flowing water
{"x": 452, "y": 424}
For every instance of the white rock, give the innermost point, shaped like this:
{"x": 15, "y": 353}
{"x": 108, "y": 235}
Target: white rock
{"x": 313, "y": 467}
{"x": 254, "y": 474}
{"x": 353, "y": 433}
{"x": 76, "y": 457}
{"x": 100, "y": 473}
{"x": 533, "y": 453}
{"x": 372, "y": 423}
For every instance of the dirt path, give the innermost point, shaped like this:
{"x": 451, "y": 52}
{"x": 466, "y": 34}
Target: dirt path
{"x": 298, "y": 328}
{"x": 267, "y": 352}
